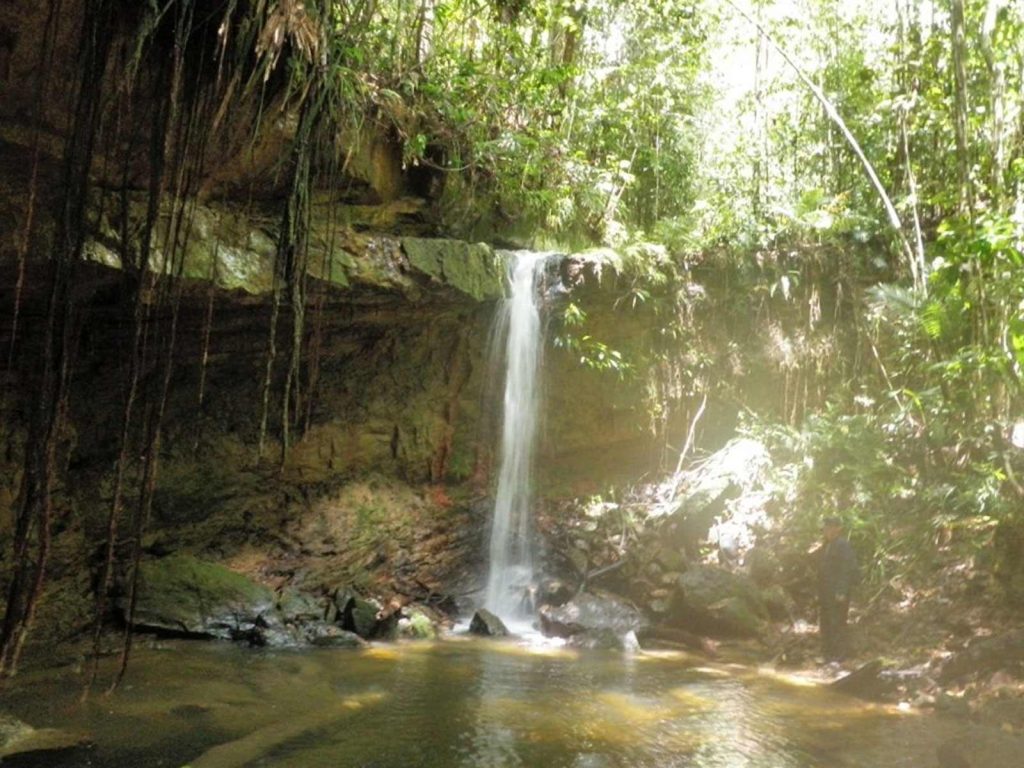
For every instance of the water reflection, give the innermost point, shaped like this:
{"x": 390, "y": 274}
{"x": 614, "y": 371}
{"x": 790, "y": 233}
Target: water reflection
{"x": 474, "y": 705}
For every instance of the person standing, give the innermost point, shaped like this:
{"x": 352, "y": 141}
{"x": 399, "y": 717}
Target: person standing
{"x": 837, "y": 574}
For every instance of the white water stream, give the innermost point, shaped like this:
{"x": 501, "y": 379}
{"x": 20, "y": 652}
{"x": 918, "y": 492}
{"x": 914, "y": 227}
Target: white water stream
{"x": 511, "y": 559}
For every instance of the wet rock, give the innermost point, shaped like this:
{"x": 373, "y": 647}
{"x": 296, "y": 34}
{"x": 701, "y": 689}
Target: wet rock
{"x": 18, "y": 738}
{"x": 671, "y": 637}
{"x": 599, "y": 640}
{"x": 486, "y": 624}
{"x": 330, "y": 636}
{"x": 553, "y": 592}
{"x": 295, "y": 607}
{"x": 986, "y": 655}
{"x": 360, "y": 615}
{"x": 778, "y": 603}
{"x": 590, "y": 612}
{"x": 12, "y": 730}
{"x": 280, "y": 636}
{"x": 714, "y": 601}
{"x": 865, "y": 682}
{"x": 418, "y": 622}
{"x": 669, "y": 557}
{"x": 182, "y": 594}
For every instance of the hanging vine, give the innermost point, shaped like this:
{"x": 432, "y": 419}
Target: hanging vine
{"x": 34, "y": 513}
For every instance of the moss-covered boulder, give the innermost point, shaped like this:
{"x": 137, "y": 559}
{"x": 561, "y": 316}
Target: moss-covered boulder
{"x": 714, "y": 601}
{"x": 419, "y": 622}
{"x": 185, "y": 595}
{"x": 299, "y": 607}
{"x": 363, "y": 617}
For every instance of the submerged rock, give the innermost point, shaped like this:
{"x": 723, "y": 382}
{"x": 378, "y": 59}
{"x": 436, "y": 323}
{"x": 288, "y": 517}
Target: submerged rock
{"x": 486, "y": 624}
{"x": 591, "y": 612}
{"x": 597, "y": 640}
{"x": 17, "y": 738}
{"x": 671, "y": 637}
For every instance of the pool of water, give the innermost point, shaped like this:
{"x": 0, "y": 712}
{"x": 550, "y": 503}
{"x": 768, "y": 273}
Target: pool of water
{"x": 474, "y": 704}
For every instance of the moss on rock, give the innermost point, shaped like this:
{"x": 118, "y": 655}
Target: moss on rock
{"x": 181, "y": 593}
{"x": 473, "y": 268}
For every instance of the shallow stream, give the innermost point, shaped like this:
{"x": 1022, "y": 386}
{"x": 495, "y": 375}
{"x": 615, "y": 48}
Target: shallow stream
{"x": 474, "y": 704}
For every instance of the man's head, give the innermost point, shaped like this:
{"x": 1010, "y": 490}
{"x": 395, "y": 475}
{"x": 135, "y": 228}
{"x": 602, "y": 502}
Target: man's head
{"x": 831, "y": 527}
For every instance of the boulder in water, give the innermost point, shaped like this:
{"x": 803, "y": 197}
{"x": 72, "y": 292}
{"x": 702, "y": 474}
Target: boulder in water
{"x": 865, "y": 682}
{"x": 486, "y": 624}
{"x": 298, "y": 607}
{"x": 590, "y": 612}
{"x": 419, "y": 622}
{"x": 598, "y": 640}
{"x": 329, "y": 636}
{"x": 185, "y": 595}
{"x": 359, "y": 615}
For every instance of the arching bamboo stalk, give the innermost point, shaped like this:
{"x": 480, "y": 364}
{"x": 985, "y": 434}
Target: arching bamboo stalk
{"x": 917, "y": 270}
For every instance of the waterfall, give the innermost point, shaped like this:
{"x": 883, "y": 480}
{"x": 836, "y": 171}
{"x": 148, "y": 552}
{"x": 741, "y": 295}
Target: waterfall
{"x": 511, "y": 559}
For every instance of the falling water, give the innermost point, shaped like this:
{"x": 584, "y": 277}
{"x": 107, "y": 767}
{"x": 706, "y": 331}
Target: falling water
{"x": 511, "y": 560}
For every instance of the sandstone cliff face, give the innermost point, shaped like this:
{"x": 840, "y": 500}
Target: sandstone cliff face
{"x": 394, "y": 419}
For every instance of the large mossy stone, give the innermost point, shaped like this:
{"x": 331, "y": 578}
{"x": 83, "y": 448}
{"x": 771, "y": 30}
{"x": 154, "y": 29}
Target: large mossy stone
{"x": 359, "y": 615}
{"x": 296, "y": 607}
{"x": 419, "y": 622}
{"x": 715, "y": 601}
{"x": 183, "y": 594}
{"x": 472, "y": 268}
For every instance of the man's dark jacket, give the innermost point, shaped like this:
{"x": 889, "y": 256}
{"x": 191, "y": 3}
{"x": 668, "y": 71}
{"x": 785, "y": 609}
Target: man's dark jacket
{"x": 837, "y": 568}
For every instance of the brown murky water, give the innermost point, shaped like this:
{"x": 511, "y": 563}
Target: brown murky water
{"x": 475, "y": 704}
